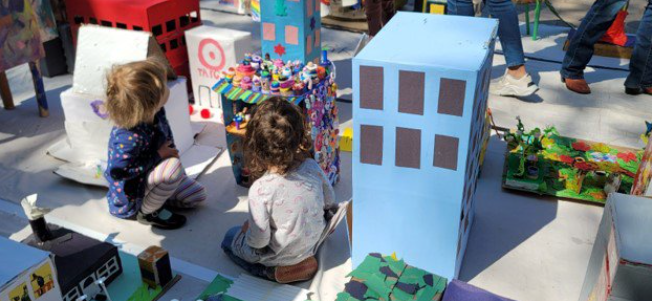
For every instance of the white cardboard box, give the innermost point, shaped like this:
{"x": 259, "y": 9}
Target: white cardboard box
{"x": 212, "y": 50}
{"x": 87, "y": 135}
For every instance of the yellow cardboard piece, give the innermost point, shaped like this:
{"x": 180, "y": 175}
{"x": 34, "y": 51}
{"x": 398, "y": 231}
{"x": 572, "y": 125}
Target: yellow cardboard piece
{"x": 437, "y": 9}
{"x": 346, "y": 142}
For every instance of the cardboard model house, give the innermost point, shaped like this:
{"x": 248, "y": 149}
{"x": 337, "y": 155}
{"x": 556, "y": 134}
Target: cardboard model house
{"x": 620, "y": 267}
{"x": 213, "y": 50}
{"x": 291, "y": 29}
{"x": 87, "y": 126}
{"x": 26, "y": 273}
{"x": 418, "y": 120}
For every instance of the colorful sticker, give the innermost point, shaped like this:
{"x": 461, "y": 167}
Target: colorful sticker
{"x": 42, "y": 280}
{"x": 19, "y": 293}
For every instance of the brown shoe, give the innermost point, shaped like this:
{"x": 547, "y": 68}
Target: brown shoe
{"x": 301, "y": 271}
{"x": 577, "y": 85}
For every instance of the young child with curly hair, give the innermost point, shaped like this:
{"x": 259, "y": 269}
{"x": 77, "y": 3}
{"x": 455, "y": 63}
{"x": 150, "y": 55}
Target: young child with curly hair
{"x": 288, "y": 200}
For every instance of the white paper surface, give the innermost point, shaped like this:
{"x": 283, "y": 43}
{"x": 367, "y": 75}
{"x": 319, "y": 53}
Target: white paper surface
{"x": 98, "y": 49}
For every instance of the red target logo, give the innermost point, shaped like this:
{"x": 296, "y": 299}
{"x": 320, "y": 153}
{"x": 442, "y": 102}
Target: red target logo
{"x": 211, "y": 54}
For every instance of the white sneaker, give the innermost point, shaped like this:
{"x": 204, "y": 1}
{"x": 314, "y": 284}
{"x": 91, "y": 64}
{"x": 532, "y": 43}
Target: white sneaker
{"x": 510, "y": 86}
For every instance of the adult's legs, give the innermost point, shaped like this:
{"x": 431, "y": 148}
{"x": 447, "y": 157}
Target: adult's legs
{"x": 594, "y": 25}
{"x": 388, "y": 11}
{"x": 460, "y": 7}
{"x": 374, "y": 13}
{"x": 509, "y": 33}
{"x": 640, "y": 65}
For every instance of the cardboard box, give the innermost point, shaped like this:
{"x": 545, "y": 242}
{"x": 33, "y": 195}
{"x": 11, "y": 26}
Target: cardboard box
{"x": 620, "y": 267}
{"x": 212, "y": 50}
{"x": 418, "y": 119}
{"x": 155, "y": 268}
{"x": 291, "y": 30}
{"x": 27, "y": 273}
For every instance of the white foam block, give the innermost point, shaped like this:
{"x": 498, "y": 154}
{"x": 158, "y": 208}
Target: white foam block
{"x": 98, "y": 49}
{"x": 212, "y": 50}
{"x": 87, "y": 136}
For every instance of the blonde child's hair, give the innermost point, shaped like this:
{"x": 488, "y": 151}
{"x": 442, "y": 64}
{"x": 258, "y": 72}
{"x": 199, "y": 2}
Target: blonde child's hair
{"x": 134, "y": 91}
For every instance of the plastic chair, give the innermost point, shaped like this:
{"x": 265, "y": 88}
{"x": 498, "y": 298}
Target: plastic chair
{"x": 537, "y": 15}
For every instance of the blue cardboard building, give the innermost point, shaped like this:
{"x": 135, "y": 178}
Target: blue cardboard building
{"x": 291, "y": 29}
{"x": 420, "y": 97}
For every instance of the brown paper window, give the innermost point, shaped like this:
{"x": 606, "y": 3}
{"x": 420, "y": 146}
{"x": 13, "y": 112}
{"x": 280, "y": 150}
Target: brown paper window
{"x": 371, "y": 87}
{"x": 446, "y": 149}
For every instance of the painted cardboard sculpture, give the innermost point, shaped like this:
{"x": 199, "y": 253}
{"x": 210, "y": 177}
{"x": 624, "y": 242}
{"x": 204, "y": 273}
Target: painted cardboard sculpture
{"x": 311, "y": 87}
{"x": 291, "y": 30}
{"x": 86, "y": 122}
{"x": 620, "y": 266}
{"x": 462, "y": 291}
{"x": 545, "y": 162}
{"x": 84, "y": 266}
{"x": 27, "y": 273}
{"x": 165, "y": 19}
{"x": 386, "y": 278}
{"x": 21, "y": 43}
{"x": 212, "y": 50}
{"x": 418, "y": 125}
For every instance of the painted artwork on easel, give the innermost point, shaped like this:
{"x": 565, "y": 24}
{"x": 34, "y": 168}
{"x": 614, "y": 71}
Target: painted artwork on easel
{"x": 45, "y": 18}
{"x": 20, "y": 38}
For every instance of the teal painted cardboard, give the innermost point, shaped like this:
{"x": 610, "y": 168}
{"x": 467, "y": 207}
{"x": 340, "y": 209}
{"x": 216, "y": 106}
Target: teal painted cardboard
{"x": 291, "y": 29}
{"x": 428, "y": 73}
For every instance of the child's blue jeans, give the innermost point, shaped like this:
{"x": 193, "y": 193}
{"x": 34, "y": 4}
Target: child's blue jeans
{"x": 255, "y": 269}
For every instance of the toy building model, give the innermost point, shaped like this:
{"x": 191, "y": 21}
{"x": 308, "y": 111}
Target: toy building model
{"x": 620, "y": 266}
{"x": 26, "y": 273}
{"x": 212, "y": 50}
{"x": 545, "y": 162}
{"x": 387, "y": 278}
{"x": 418, "y": 125}
{"x": 165, "y": 19}
{"x": 86, "y": 121}
{"x": 312, "y": 87}
{"x": 80, "y": 261}
{"x": 155, "y": 267}
{"x": 291, "y": 29}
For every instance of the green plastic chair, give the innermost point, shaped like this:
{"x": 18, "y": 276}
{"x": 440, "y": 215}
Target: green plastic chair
{"x": 537, "y": 16}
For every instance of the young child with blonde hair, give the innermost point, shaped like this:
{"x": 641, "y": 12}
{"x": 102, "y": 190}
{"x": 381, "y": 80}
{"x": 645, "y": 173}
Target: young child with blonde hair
{"x": 287, "y": 202}
{"x": 144, "y": 172}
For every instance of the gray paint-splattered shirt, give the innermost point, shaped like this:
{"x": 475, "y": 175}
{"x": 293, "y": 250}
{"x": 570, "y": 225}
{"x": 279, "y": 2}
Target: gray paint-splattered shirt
{"x": 286, "y": 216}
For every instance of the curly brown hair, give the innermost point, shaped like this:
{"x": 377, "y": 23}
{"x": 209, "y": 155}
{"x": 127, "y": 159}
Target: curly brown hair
{"x": 277, "y": 137}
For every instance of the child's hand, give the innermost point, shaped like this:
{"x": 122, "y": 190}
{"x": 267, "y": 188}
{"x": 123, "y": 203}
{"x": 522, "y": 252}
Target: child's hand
{"x": 166, "y": 151}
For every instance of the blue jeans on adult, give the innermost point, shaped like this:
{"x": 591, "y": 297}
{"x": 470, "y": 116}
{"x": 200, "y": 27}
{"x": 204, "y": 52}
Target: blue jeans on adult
{"x": 255, "y": 269}
{"x": 508, "y": 27}
{"x": 596, "y": 23}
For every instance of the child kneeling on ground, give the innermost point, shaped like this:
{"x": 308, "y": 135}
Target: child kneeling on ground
{"x": 144, "y": 171}
{"x": 288, "y": 201}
